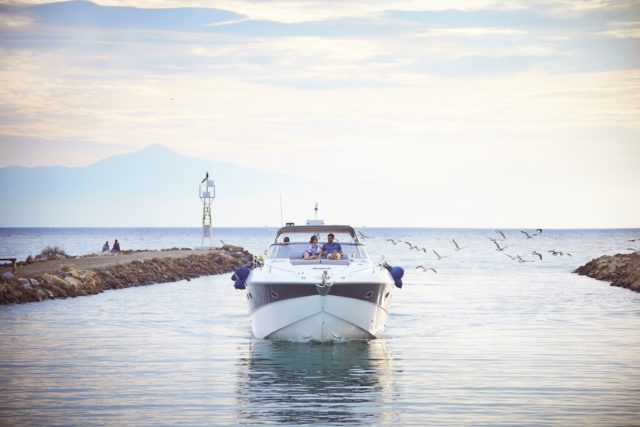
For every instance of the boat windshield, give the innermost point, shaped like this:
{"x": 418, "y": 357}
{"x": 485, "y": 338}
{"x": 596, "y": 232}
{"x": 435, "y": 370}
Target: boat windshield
{"x": 298, "y": 242}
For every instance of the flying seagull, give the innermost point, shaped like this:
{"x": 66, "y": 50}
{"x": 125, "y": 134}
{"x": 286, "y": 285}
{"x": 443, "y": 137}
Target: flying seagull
{"x": 437, "y": 254}
{"x": 556, "y": 253}
{"x": 510, "y": 256}
{"x": 502, "y": 234}
{"x": 527, "y": 234}
{"x": 411, "y": 245}
{"x": 456, "y": 245}
{"x": 425, "y": 269}
{"x": 363, "y": 236}
{"x": 393, "y": 241}
{"x": 498, "y": 248}
{"x": 539, "y": 230}
{"x": 537, "y": 254}
{"x": 634, "y": 250}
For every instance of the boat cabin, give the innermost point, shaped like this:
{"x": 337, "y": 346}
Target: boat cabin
{"x": 291, "y": 242}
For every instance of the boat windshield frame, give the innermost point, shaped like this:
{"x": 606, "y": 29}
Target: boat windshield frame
{"x": 318, "y": 229}
{"x": 294, "y": 250}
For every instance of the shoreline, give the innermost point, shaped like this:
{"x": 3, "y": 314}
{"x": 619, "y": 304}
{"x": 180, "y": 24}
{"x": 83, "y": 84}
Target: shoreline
{"x": 622, "y": 270}
{"x": 92, "y": 274}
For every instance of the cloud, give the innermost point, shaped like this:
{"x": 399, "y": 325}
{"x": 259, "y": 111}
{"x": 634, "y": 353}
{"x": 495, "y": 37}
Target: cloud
{"x": 525, "y": 102}
{"x": 471, "y": 32}
{"x": 588, "y": 6}
{"x": 622, "y": 30}
{"x": 302, "y": 11}
{"x": 9, "y": 21}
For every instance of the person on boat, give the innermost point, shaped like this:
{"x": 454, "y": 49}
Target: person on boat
{"x": 313, "y": 250}
{"x": 331, "y": 249}
{"x": 116, "y": 246}
{"x": 286, "y": 240}
{"x": 105, "y": 247}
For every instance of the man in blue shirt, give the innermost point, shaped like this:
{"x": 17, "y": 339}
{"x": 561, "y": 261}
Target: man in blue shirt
{"x": 331, "y": 249}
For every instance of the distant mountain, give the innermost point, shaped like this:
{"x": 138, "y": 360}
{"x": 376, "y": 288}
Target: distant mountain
{"x": 153, "y": 187}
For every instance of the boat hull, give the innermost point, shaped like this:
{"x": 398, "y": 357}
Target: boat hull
{"x": 321, "y": 317}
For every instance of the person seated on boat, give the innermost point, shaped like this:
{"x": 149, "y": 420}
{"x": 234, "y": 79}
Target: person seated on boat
{"x": 286, "y": 240}
{"x": 105, "y": 247}
{"x": 331, "y": 249}
{"x": 313, "y": 250}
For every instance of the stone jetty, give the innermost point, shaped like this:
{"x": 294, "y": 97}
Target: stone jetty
{"x": 621, "y": 270}
{"x": 89, "y": 275}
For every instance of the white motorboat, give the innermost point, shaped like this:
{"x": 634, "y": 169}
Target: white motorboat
{"x": 296, "y": 299}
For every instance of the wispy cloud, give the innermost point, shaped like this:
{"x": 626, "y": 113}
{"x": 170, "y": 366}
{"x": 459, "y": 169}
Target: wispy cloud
{"x": 305, "y": 11}
{"x": 471, "y": 32}
{"x": 622, "y": 30}
{"x": 14, "y": 21}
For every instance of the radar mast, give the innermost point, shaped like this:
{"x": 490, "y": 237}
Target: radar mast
{"x": 315, "y": 220}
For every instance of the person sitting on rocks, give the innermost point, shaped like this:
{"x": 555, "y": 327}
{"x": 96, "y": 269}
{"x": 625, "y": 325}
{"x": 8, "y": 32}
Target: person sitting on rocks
{"x": 331, "y": 249}
{"x": 105, "y": 247}
{"x": 116, "y": 246}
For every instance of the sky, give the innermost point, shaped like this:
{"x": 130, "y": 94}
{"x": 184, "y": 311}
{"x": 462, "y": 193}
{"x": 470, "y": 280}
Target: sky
{"x": 423, "y": 113}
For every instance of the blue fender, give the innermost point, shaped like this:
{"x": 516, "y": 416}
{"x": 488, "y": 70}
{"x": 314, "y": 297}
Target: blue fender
{"x": 240, "y": 277}
{"x": 397, "y": 273}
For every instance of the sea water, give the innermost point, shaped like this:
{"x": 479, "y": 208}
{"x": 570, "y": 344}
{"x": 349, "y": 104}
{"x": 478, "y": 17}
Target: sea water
{"x": 484, "y": 341}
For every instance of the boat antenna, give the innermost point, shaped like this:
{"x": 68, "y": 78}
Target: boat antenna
{"x": 315, "y": 215}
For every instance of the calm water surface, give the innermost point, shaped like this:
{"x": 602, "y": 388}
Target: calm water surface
{"x": 486, "y": 341}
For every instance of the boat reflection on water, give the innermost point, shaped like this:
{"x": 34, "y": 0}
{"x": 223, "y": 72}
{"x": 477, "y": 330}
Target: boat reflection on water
{"x": 303, "y": 383}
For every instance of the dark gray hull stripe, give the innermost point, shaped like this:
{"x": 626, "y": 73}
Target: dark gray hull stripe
{"x": 260, "y": 294}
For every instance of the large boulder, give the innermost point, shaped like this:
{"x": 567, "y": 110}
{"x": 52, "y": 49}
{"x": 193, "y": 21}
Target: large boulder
{"x": 621, "y": 270}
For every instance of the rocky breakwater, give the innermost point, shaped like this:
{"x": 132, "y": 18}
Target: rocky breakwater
{"x": 89, "y": 276}
{"x": 621, "y": 270}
